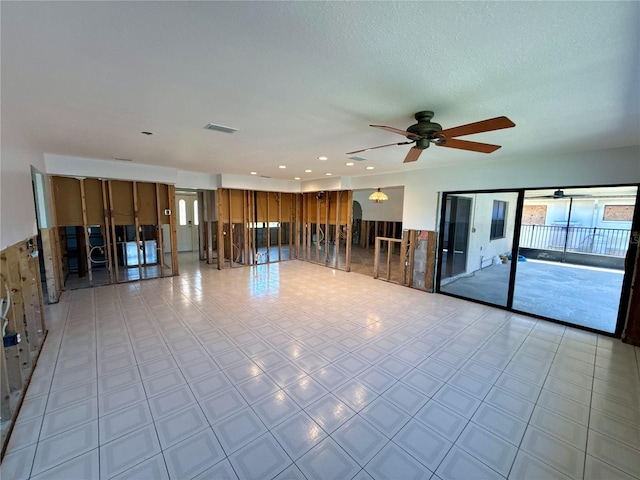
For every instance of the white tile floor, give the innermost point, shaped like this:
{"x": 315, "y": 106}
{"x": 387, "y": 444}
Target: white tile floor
{"x": 293, "y": 370}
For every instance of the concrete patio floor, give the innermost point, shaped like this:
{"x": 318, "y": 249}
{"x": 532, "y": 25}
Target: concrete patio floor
{"x": 584, "y": 296}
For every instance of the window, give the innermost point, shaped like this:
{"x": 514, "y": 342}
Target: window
{"x": 498, "y": 216}
{"x": 618, "y": 213}
{"x": 534, "y": 215}
{"x": 195, "y": 212}
{"x": 182, "y": 212}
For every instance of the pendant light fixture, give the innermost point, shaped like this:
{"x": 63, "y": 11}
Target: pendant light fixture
{"x": 378, "y": 197}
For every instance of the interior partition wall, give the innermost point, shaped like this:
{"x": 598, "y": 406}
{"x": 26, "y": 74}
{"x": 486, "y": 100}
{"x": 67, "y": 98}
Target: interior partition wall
{"x": 111, "y": 231}
{"x": 557, "y": 254}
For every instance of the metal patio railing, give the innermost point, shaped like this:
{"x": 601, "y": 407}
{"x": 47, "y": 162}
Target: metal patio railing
{"x": 594, "y": 240}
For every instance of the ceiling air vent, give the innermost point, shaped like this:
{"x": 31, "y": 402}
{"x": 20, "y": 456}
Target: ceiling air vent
{"x": 357, "y": 159}
{"x": 123, "y": 159}
{"x": 220, "y": 128}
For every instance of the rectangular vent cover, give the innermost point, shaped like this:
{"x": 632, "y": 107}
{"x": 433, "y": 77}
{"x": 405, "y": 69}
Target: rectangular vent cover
{"x": 357, "y": 159}
{"x": 220, "y": 128}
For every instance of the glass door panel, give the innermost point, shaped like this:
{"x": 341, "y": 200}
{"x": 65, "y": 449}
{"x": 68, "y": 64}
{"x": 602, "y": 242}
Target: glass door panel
{"x": 573, "y": 244}
{"x": 476, "y": 246}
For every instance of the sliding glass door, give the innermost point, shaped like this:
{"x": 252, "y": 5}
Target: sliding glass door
{"x": 575, "y": 242}
{"x": 477, "y": 236}
{"x": 571, "y": 245}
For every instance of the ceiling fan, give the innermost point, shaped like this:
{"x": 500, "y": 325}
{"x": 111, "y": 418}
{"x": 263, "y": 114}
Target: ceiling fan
{"x": 426, "y": 132}
{"x": 560, "y": 194}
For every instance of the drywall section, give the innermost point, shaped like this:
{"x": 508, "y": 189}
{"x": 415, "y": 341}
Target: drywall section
{"x": 91, "y": 167}
{"x": 195, "y": 180}
{"x": 254, "y": 182}
{"x": 17, "y": 209}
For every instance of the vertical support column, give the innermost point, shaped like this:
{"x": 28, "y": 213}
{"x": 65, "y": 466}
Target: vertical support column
{"x": 403, "y": 256}
{"x": 113, "y": 234}
{"x": 220, "y": 244}
{"x": 85, "y": 228}
{"x": 210, "y": 197}
{"x": 268, "y": 229}
{"x": 279, "y": 200}
{"x": 107, "y": 232}
{"x": 413, "y": 243}
{"x": 376, "y": 258}
{"x": 297, "y": 219}
{"x": 160, "y": 244}
{"x": 245, "y": 227}
{"x": 336, "y": 263}
{"x": 136, "y": 222}
{"x": 202, "y": 222}
{"x": 349, "y": 230}
{"x": 325, "y": 260}
{"x": 431, "y": 261}
{"x": 252, "y": 195}
{"x": 231, "y": 244}
{"x": 171, "y": 194}
{"x": 307, "y": 227}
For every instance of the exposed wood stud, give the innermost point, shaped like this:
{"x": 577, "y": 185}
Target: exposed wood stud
{"x": 336, "y": 262}
{"x": 136, "y": 222}
{"x": 431, "y": 261}
{"x": 349, "y": 221}
{"x": 159, "y": 239}
{"x": 107, "y": 232}
{"x": 113, "y": 233}
{"x": 85, "y": 228}
{"x": 221, "y": 239}
{"x": 171, "y": 194}
{"x": 279, "y": 199}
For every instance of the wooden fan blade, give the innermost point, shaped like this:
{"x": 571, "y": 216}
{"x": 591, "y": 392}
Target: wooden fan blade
{"x": 413, "y": 155}
{"x": 466, "y": 145}
{"x": 497, "y": 123}
{"x": 381, "y": 146}
{"x": 410, "y": 135}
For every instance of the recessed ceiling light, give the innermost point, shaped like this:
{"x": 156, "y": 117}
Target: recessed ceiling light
{"x": 147, "y": 133}
{"x": 370, "y": 168}
{"x": 296, "y": 178}
{"x": 254, "y": 173}
{"x": 323, "y": 158}
{"x": 307, "y": 171}
{"x": 349, "y": 164}
{"x": 328, "y": 174}
{"x": 282, "y": 166}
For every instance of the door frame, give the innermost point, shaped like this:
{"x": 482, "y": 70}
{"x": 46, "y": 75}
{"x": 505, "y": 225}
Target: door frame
{"x": 628, "y": 272}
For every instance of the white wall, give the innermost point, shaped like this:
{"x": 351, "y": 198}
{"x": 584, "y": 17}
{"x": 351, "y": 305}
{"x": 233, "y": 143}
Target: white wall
{"x": 606, "y": 167}
{"x": 17, "y": 207}
{"x": 481, "y": 248}
{"x": 421, "y": 187}
{"x": 388, "y": 211}
{"x": 90, "y": 167}
{"x": 254, "y": 182}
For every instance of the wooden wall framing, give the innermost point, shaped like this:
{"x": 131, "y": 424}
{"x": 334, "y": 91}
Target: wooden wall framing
{"x": 243, "y": 215}
{"x": 20, "y": 280}
{"x": 111, "y": 205}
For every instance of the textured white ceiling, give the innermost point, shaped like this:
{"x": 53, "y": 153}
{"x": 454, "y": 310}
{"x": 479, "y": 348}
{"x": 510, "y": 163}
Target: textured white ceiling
{"x": 304, "y": 79}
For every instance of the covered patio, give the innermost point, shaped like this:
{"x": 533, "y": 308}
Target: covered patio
{"x": 585, "y": 296}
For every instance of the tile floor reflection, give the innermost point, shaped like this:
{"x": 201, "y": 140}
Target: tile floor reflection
{"x": 294, "y": 370}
